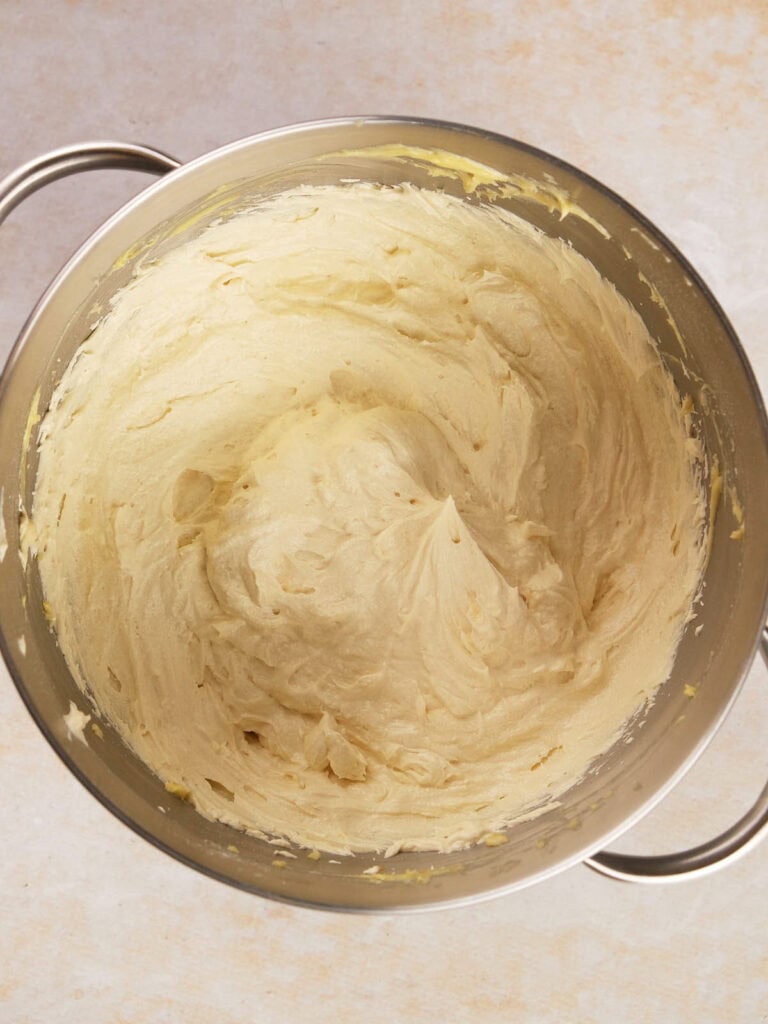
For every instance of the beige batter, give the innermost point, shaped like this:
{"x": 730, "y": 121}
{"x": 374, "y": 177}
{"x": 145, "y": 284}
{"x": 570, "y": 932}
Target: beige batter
{"x": 369, "y": 518}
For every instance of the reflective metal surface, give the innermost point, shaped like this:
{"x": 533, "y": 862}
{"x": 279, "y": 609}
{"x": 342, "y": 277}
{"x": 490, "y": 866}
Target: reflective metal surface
{"x": 60, "y": 163}
{"x": 739, "y": 839}
{"x": 705, "y": 359}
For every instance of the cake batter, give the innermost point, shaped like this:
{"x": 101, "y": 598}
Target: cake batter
{"x": 369, "y": 518}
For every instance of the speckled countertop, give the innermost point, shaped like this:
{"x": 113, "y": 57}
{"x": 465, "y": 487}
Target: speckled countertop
{"x": 665, "y": 102}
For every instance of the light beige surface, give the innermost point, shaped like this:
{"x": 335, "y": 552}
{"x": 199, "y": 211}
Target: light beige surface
{"x": 665, "y": 103}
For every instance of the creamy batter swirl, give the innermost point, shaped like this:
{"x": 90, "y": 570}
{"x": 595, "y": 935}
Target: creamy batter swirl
{"x": 369, "y": 517}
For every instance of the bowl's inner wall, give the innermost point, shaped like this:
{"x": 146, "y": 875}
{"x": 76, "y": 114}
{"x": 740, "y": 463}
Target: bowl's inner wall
{"x": 708, "y": 367}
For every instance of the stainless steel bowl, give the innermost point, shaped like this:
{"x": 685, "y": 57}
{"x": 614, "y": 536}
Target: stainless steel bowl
{"x": 697, "y": 344}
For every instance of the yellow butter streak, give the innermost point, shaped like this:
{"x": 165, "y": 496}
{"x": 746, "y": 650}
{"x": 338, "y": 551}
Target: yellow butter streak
{"x": 478, "y": 178}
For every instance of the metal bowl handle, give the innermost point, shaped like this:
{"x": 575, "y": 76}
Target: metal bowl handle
{"x": 699, "y": 860}
{"x": 86, "y": 156}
